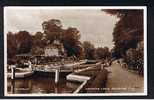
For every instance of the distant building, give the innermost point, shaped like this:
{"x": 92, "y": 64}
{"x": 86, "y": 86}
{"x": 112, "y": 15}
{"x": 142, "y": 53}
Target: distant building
{"x": 55, "y": 49}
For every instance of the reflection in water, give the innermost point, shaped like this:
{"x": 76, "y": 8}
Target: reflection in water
{"x": 12, "y": 86}
{"x": 40, "y": 85}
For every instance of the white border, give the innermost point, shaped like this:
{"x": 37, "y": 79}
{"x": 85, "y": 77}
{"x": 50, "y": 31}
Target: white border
{"x": 81, "y": 7}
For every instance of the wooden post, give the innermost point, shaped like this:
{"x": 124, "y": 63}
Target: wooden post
{"x": 56, "y": 76}
{"x": 29, "y": 64}
{"x": 13, "y": 71}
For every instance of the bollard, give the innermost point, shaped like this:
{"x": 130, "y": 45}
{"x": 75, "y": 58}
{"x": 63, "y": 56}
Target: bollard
{"x": 56, "y": 76}
{"x": 13, "y": 71}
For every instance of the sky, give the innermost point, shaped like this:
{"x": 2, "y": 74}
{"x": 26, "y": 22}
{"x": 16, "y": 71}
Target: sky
{"x": 94, "y": 25}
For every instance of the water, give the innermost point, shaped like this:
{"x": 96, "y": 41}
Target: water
{"x": 40, "y": 84}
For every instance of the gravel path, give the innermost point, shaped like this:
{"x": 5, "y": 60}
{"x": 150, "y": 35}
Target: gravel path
{"x": 120, "y": 80}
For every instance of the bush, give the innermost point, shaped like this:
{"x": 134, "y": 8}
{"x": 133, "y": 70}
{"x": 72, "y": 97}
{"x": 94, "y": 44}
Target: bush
{"x": 134, "y": 58}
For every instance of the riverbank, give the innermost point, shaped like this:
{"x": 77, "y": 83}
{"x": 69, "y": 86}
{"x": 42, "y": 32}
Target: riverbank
{"x": 97, "y": 82}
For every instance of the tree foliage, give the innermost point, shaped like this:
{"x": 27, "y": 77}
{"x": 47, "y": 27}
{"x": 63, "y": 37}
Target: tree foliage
{"x": 128, "y": 30}
{"x": 89, "y": 50}
{"x": 103, "y": 53}
{"x": 134, "y": 57}
{"x": 71, "y": 41}
{"x": 18, "y": 43}
{"x": 23, "y": 41}
{"x": 11, "y": 45}
{"x": 39, "y": 42}
{"x": 52, "y": 29}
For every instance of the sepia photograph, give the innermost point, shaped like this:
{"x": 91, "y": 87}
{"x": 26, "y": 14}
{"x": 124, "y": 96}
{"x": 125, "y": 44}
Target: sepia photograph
{"x": 75, "y": 51}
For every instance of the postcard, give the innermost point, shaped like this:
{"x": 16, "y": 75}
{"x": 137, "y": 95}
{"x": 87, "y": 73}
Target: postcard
{"x": 75, "y": 51}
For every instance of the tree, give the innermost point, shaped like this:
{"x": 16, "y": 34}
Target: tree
{"x": 39, "y": 42}
{"x": 23, "y": 42}
{"x": 89, "y": 50}
{"x": 38, "y": 39}
{"x": 134, "y": 58}
{"x": 11, "y": 45}
{"x": 128, "y": 30}
{"x": 52, "y": 29}
{"x": 18, "y": 43}
{"x": 70, "y": 39}
{"x": 103, "y": 53}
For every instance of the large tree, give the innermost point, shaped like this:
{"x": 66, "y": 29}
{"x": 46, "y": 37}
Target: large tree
{"x": 128, "y": 30}
{"x": 69, "y": 37}
{"x": 17, "y": 43}
{"x": 52, "y": 29}
{"x": 71, "y": 41}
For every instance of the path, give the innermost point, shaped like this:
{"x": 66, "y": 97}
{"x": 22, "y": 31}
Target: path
{"x": 120, "y": 80}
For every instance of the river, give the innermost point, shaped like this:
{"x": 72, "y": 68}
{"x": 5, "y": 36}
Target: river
{"x": 40, "y": 84}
